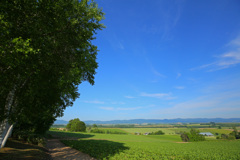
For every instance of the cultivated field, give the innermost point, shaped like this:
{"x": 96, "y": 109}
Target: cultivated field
{"x": 115, "y": 146}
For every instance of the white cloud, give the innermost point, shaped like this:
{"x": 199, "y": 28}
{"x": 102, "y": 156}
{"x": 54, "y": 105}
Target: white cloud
{"x": 200, "y": 107}
{"x": 130, "y": 97}
{"x": 224, "y": 109}
{"x": 179, "y": 87}
{"x": 234, "y": 42}
{"x": 118, "y": 102}
{"x": 179, "y": 75}
{"x": 101, "y": 102}
{"x": 153, "y": 70}
{"x": 225, "y": 60}
{"x": 155, "y": 95}
{"x": 121, "y": 45}
{"x": 156, "y": 73}
{"x": 94, "y": 102}
{"x": 221, "y": 99}
{"x": 120, "y": 109}
{"x": 129, "y": 109}
{"x": 107, "y": 108}
{"x": 166, "y": 96}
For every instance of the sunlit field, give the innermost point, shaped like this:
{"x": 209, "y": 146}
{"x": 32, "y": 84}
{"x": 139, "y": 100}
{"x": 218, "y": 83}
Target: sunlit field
{"x": 114, "y": 146}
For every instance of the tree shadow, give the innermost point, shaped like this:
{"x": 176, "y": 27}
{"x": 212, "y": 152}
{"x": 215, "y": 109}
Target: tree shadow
{"x": 69, "y": 135}
{"x": 16, "y": 150}
{"x": 12, "y": 143}
{"x": 99, "y": 149}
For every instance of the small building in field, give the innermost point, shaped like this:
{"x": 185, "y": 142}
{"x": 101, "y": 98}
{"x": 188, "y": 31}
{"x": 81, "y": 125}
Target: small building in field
{"x": 206, "y": 134}
{"x": 147, "y": 133}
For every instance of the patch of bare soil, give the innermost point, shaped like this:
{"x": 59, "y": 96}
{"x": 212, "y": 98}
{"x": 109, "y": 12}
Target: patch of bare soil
{"x": 59, "y": 151}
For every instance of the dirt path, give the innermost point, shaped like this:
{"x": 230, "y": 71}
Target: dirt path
{"x": 59, "y": 151}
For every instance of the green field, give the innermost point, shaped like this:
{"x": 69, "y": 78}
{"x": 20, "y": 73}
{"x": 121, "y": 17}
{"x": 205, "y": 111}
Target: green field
{"x": 170, "y": 131}
{"x": 113, "y": 146}
{"x": 214, "y": 130}
{"x": 145, "y": 130}
{"x": 112, "y": 131}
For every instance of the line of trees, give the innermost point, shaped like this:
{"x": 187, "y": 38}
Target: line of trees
{"x": 45, "y": 53}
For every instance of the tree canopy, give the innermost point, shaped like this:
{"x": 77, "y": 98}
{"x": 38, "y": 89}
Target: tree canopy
{"x": 75, "y": 125}
{"x": 192, "y": 136}
{"x": 46, "y": 51}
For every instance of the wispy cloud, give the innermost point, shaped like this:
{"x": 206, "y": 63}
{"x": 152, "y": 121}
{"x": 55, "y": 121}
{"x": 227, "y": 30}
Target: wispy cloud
{"x": 167, "y": 96}
{"x": 115, "y": 42}
{"x": 128, "y": 109}
{"x": 201, "y": 107}
{"x": 130, "y": 97}
{"x": 225, "y": 60}
{"x": 179, "y": 87}
{"x": 120, "y": 108}
{"x": 107, "y": 108}
{"x": 217, "y": 100}
{"x": 120, "y": 45}
{"x": 155, "y": 95}
{"x": 118, "y": 102}
{"x": 94, "y": 102}
{"x": 179, "y": 75}
{"x": 171, "y": 18}
{"x": 155, "y": 72}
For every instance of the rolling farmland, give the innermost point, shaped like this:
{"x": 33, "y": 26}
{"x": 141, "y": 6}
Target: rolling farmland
{"x": 113, "y": 146}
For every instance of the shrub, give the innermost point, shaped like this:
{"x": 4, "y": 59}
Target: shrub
{"x": 184, "y": 137}
{"x": 157, "y": 133}
{"x": 29, "y": 137}
{"x": 235, "y": 133}
{"x": 193, "y": 136}
{"x": 97, "y": 131}
{"x": 224, "y": 136}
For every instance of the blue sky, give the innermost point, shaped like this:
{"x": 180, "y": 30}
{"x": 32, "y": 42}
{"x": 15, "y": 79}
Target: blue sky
{"x": 164, "y": 59}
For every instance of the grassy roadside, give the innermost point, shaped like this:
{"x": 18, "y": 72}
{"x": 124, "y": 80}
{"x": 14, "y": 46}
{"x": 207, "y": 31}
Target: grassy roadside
{"x": 16, "y": 150}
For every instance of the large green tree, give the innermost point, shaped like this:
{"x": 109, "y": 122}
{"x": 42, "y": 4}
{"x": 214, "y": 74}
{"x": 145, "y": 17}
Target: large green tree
{"x": 75, "y": 125}
{"x": 46, "y": 51}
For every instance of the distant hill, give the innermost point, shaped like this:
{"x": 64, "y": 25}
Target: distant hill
{"x": 60, "y": 122}
{"x": 167, "y": 121}
{"x": 159, "y": 121}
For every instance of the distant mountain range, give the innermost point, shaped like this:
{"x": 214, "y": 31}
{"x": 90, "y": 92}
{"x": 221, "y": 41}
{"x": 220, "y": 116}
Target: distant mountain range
{"x": 157, "y": 121}
{"x": 58, "y": 122}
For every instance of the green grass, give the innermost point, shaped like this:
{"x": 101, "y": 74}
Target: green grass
{"x": 112, "y": 131}
{"x": 213, "y": 131}
{"x": 104, "y": 146}
{"x": 178, "y": 130}
{"x": 116, "y": 137}
{"x": 145, "y": 130}
{"x": 170, "y": 131}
